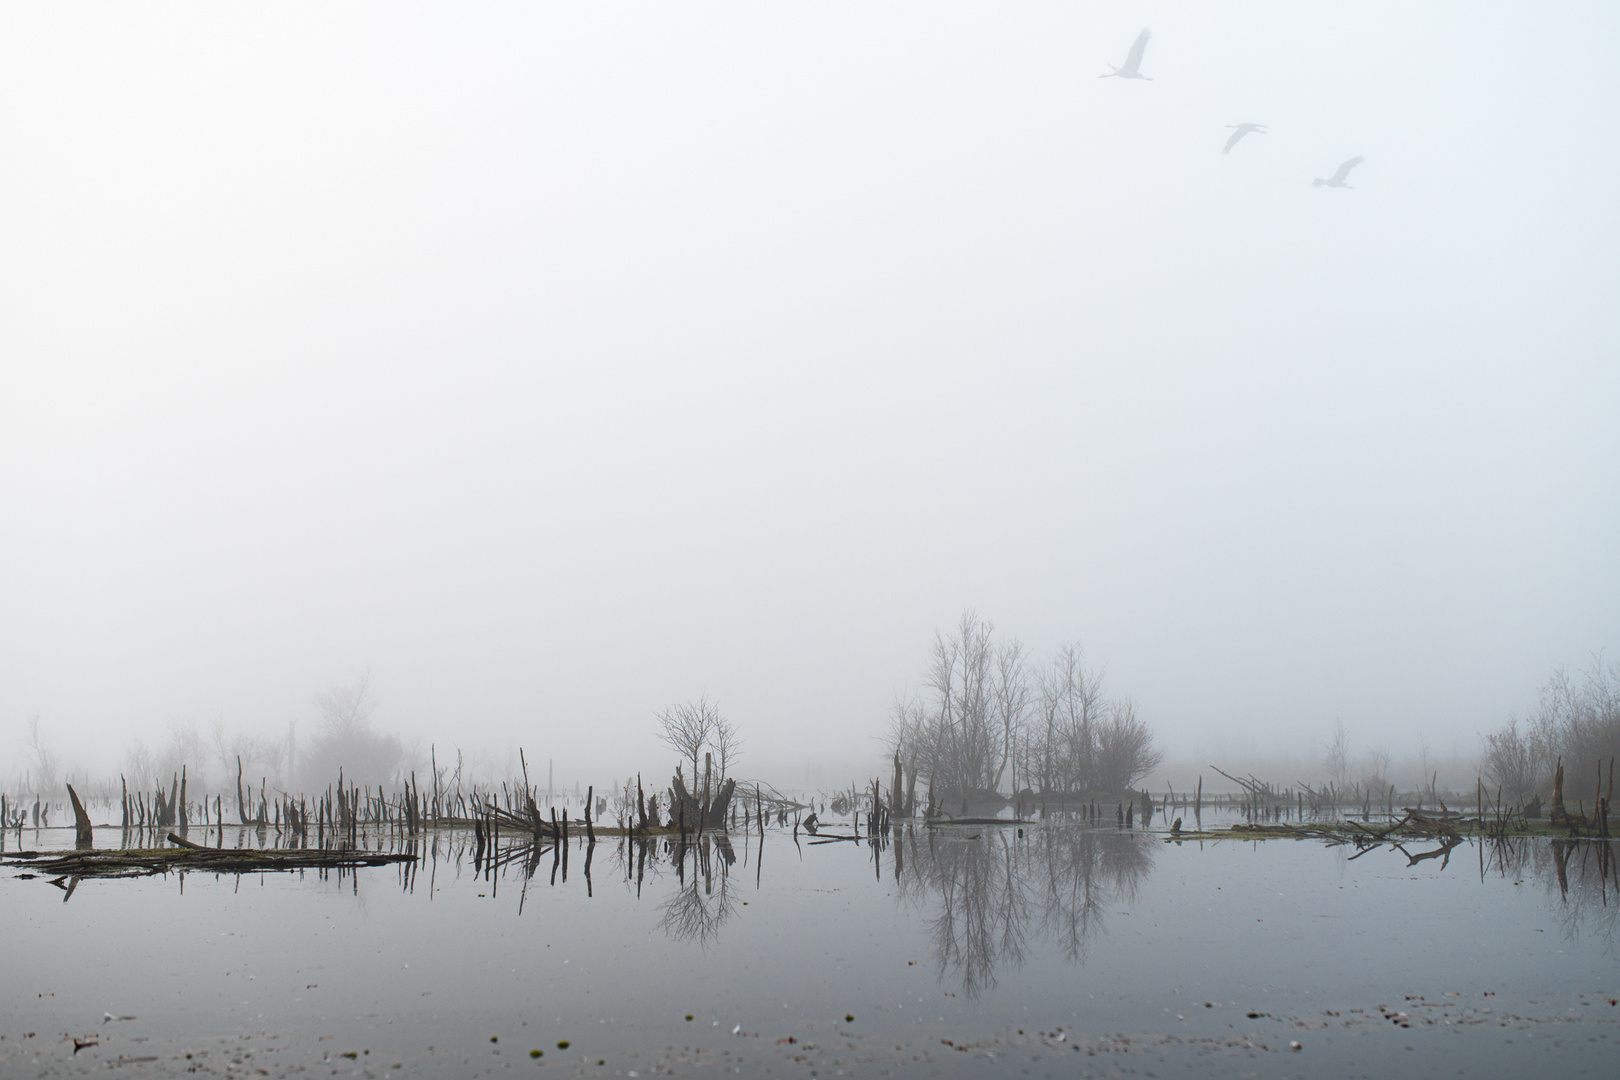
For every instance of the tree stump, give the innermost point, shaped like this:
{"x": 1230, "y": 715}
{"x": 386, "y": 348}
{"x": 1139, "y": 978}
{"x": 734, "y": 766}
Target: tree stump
{"x": 83, "y": 837}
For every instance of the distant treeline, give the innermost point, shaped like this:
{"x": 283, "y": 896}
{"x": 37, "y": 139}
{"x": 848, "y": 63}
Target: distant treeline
{"x": 1577, "y": 723}
{"x": 990, "y": 719}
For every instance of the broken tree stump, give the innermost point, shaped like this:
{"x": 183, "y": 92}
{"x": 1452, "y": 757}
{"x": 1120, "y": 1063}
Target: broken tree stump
{"x": 82, "y": 835}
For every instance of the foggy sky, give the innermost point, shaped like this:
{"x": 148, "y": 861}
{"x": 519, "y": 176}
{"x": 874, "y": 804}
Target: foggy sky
{"x": 560, "y": 362}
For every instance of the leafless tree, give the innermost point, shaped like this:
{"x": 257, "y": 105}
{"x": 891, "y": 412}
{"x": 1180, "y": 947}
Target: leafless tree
{"x": 184, "y": 749}
{"x": 347, "y": 708}
{"x": 1336, "y": 761}
{"x": 1579, "y": 720}
{"x": 688, "y": 728}
{"x": 1513, "y": 762}
{"x": 984, "y": 710}
{"x": 961, "y": 750}
{"x": 727, "y": 746}
{"x": 1072, "y": 699}
{"x": 45, "y": 765}
{"x": 1378, "y": 761}
{"x": 1125, "y": 751}
{"x": 260, "y": 757}
{"x": 1010, "y": 698}
{"x": 346, "y": 738}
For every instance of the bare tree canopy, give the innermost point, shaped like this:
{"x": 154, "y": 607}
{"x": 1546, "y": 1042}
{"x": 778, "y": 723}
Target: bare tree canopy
{"x": 347, "y": 708}
{"x": 1577, "y": 722}
{"x": 987, "y": 719}
{"x": 727, "y": 746}
{"x": 345, "y": 738}
{"x": 1336, "y": 759}
{"x": 688, "y": 728}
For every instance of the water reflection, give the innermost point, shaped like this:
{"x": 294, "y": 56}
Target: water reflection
{"x": 993, "y": 893}
{"x": 696, "y": 910}
{"x": 1580, "y": 876}
{"x": 989, "y": 898}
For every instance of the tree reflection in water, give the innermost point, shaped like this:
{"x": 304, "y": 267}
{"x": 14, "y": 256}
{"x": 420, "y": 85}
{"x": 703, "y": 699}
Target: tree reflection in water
{"x": 993, "y": 890}
{"x": 697, "y": 908}
{"x": 1581, "y": 876}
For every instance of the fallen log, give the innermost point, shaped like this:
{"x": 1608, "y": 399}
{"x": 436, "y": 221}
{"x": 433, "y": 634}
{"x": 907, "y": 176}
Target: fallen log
{"x": 142, "y": 862}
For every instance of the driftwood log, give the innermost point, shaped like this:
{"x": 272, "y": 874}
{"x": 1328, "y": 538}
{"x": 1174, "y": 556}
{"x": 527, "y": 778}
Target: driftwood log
{"x": 82, "y": 834}
{"x": 141, "y": 862}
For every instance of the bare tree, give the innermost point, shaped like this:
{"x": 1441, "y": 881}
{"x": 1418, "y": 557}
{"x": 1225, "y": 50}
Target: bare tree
{"x": 1010, "y": 698}
{"x": 260, "y": 756}
{"x": 727, "y": 745}
{"x": 1336, "y": 761}
{"x": 1579, "y": 721}
{"x": 45, "y": 764}
{"x": 688, "y": 728}
{"x": 347, "y": 740}
{"x": 962, "y": 746}
{"x": 1074, "y": 696}
{"x": 1125, "y": 751}
{"x": 1378, "y": 768}
{"x": 1513, "y": 763}
{"x": 983, "y": 712}
{"x": 184, "y": 749}
{"x": 346, "y": 709}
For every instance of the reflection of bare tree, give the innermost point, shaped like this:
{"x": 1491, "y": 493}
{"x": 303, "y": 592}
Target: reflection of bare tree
{"x": 701, "y": 903}
{"x": 1081, "y": 872}
{"x": 987, "y": 891}
{"x": 1588, "y": 882}
{"x": 1581, "y": 877}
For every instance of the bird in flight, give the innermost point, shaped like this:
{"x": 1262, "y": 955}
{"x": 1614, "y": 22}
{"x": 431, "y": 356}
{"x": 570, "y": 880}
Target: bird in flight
{"x": 1337, "y": 179}
{"x": 1240, "y": 130}
{"x": 1133, "y": 62}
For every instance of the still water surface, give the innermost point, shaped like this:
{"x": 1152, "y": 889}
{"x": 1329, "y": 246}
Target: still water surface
{"x": 1062, "y": 950}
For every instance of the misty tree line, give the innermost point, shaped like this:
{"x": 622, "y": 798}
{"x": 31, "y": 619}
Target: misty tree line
{"x": 1576, "y": 722}
{"x": 343, "y": 736}
{"x": 991, "y": 719}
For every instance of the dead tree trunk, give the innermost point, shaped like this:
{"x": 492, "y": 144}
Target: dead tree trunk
{"x": 82, "y": 836}
{"x": 696, "y": 815}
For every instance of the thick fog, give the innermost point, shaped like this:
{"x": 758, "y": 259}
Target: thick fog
{"x": 557, "y": 363}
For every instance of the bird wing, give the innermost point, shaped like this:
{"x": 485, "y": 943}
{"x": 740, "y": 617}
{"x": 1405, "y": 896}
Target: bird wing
{"x": 1134, "y": 60}
{"x": 1232, "y": 140}
{"x": 1344, "y": 170}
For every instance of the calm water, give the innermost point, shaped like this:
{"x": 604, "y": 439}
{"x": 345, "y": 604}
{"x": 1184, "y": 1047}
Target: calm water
{"x": 1064, "y": 950}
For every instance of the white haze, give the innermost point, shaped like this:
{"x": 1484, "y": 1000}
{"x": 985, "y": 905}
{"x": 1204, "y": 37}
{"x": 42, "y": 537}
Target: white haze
{"x": 560, "y": 362}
